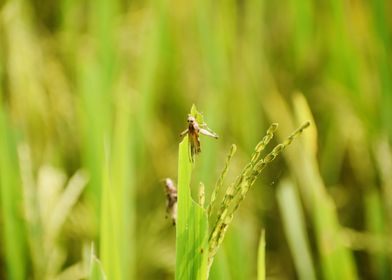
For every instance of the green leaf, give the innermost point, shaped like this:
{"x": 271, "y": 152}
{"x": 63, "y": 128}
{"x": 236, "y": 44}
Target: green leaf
{"x": 295, "y": 230}
{"x": 261, "y": 257}
{"x": 117, "y": 217}
{"x": 192, "y": 225}
{"x": 96, "y": 269}
{"x": 194, "y": 111}
{"x": 198, "y": 116}
{"x": 13, "y": 228}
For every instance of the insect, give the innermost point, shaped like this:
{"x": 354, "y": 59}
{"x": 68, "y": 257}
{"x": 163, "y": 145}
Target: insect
{"x": 193, "y": 131}
{"x": 171, "y": 200}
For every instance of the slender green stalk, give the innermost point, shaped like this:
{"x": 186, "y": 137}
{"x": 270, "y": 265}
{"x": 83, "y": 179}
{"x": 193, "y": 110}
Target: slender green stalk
{"x": 219, "y": 183}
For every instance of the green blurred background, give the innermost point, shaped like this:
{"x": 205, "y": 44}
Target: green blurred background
{"x": 94, "y": 94}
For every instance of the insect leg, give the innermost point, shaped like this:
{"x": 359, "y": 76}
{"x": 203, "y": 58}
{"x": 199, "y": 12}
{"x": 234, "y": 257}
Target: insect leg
{"x": 184, "y": 133}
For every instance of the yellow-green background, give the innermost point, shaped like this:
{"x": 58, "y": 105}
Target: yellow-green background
{"x": 105, "y": 87}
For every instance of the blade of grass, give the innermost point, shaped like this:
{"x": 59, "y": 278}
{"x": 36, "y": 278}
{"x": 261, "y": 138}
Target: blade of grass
{"x": 220, "y": 269}
{"x": 93, "y": 119}
{"x": 336, "y": 260}
{"x": 375, "y": 223}
{"x": 261, "y": 257}
{"x": 383, "y": 154}
{"x": 239, "y": 250}
{"x": 192, "y": 225}
{"x": 96, "y": 79}
{"x": 379, "y": 9}
{"x": 294, "y": 225}
{"x": 303, "y": 27}
{"x": 95, "y": 266}
{"x": 14, "y": 238}
{"x": 117, "y": 202}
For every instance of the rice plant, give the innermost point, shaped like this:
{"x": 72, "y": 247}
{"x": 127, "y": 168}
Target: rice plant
{"x": 197, "y": 243}
{"x": 94, "y": 95}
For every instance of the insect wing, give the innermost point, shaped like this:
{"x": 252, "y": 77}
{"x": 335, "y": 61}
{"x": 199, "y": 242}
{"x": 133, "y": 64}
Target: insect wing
{"x": 208, "y": 133}
{"x": 190, "y": 152}
{"x": 194, "y": 145}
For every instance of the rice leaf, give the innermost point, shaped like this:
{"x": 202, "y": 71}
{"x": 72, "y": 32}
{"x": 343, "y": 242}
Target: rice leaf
{"x": 96, "y": 269}
{"x": 261, "y": 257}
{"x": 13, "y": 226}
{"x": 192, "y": 225}
{"x": 294, "y": 226}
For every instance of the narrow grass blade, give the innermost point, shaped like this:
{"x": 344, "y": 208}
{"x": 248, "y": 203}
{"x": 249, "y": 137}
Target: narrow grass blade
{"x": 294, "y": 225}
{"x": 117, "y": 217}
{"x": 383, "y": 154}
{"x": 65, "y": 203}
{"x": 235, "y": 259}
{"x": 261, "y": 257}
{"x": 13, "y": 227}
{"x": 376, "y": 224}
{"x": 337, "y": 261}
{"x": 192, "y": 225}
{"x": 96, "y": 269}
{"x": 220, "y": 269}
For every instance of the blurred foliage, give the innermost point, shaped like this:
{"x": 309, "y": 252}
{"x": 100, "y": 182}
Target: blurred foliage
{"x": 94, "y": 94}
